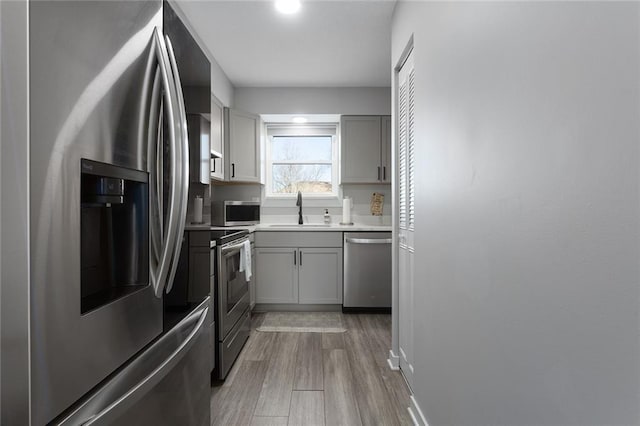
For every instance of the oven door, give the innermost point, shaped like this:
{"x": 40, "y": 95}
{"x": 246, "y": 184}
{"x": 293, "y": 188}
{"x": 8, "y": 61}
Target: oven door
{"x": 233, "y": 288}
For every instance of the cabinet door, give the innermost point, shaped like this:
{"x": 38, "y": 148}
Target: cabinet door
{"x": 217, "y": 139}
{"x": 199, "y": 131}
{"x": 243, "y": 143}
{"x": 320, "y": 275}
{"x": 252, "y": 283}
{"x": 360, "y": 148}
{"x": 385, "y": 148}
{"x": 276, "y": 275}
{"x": 199, "y": 273}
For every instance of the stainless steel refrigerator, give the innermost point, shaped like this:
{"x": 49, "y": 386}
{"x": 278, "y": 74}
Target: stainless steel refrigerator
{"x": 108, "y": 192}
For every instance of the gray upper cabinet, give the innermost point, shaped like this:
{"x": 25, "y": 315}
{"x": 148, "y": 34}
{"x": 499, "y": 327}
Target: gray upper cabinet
{"x": 199, "y": 130}
{"x": 242, "y": 143}
{"x": 385, "y": 146}
{"x": 365, "y": 149}
{"x": 217, "y": 139}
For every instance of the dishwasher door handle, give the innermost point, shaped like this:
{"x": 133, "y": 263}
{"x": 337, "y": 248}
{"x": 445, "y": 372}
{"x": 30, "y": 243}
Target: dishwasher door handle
{"x": 369, "y": 240}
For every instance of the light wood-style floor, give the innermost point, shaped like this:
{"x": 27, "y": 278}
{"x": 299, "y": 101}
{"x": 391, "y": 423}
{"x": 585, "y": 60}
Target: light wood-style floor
{"x": 314, "y": 379}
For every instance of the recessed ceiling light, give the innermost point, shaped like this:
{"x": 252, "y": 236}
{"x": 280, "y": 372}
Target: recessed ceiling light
{"x": 287, "y": 6}
{"x": 299, "y": 120}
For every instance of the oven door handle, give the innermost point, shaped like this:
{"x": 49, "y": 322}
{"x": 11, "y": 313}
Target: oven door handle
{"x": 238, "y": 246}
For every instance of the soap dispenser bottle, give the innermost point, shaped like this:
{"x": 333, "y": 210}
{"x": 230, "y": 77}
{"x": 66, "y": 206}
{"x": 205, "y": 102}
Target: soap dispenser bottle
{"x": 327, "y": 217}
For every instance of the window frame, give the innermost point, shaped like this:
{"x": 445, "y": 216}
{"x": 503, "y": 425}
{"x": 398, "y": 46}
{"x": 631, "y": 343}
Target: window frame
{"x": 303, "y": 130}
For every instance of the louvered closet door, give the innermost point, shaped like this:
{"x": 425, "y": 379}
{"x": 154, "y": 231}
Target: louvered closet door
{"x": 406, "y": 212}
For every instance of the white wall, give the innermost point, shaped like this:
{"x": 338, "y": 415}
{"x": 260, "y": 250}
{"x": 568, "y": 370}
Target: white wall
{"x": 221, "y": 87}
{"x": 528, "y": 211}
{"x": 314, "y": 100}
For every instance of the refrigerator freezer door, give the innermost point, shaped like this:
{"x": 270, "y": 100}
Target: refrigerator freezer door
{"x": 166, "y": 385}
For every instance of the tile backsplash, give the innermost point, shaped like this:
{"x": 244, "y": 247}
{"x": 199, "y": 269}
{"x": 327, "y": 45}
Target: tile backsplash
{"x": 313, "y": 210}
{"x": 205, "y": 192}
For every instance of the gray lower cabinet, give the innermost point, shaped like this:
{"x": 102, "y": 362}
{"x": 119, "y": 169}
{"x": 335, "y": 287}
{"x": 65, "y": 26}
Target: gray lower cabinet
{"x": 252, "y": 283}
{"x": 276, "y": 275}
{"x": 320, "y": 276}
{"x": 299, "y": 275}
{"x": 199, "y": 273}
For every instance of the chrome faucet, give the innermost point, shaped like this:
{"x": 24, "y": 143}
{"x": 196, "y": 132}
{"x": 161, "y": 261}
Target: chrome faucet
{"x": 299, "y": 204}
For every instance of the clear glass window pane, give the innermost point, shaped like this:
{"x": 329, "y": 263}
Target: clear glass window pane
{"x": 308, "y": 178}
{"x": 301, "y": 148}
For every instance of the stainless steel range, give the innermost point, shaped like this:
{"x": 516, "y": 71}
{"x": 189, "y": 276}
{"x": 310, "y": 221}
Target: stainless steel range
{"x": 231, "y": 299}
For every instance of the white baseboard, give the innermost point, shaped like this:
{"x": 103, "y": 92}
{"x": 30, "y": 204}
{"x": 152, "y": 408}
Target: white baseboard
{"x": 416, "y": 413}
{"x": 394, "y": 361}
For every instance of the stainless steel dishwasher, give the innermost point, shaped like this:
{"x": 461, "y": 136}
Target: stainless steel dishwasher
{"x": 367, "y": 271}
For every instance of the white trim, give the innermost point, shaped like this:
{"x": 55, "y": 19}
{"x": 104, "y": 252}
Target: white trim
{"x": 314, "y": 129}
{"x": 393, "y": 361}
{"x": 309, "y": 129}
{"x": 416, "y": 413}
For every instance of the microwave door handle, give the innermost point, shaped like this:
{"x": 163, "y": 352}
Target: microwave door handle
{"x": 160, "y": 266}
{"x": 124, "y": 402}
{"x": 183, "y": 159}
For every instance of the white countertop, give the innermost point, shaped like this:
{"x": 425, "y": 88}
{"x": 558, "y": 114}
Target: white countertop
{"x": 314, "y": 227}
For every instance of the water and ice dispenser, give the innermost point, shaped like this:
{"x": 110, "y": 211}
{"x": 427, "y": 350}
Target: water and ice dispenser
{"x": 114, "y": 233}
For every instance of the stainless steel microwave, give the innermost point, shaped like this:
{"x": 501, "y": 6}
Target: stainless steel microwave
{"x": 235, "y": 213}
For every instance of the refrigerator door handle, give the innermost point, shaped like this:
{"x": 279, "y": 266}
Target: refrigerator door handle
{"x": 136, "y": 392}
{"x": 160, "y": 270}
{"x": 154, "y": 143}
{"x": 183, "y": 158}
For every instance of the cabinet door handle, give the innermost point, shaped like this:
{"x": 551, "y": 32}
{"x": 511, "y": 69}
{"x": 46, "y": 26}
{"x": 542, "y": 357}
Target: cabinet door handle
{"x": 378, "y": 172}
{"x": 214, "y": 165}
{"x": 294, "y": 257}
{"x": 384, "y": 172}
{"x": 300, "y": 257}
{"x": 233, "y": 170}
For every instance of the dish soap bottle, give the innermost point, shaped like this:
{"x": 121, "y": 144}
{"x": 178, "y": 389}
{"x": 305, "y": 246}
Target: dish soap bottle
{"x": 327, "y": 217}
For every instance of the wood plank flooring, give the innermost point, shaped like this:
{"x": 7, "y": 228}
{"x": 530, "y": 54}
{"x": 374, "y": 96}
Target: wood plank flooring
{"x": 322, "y": 379}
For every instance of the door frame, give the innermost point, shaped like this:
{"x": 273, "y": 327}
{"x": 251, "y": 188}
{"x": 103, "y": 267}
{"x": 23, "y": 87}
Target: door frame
{"x": 394, "y": 353}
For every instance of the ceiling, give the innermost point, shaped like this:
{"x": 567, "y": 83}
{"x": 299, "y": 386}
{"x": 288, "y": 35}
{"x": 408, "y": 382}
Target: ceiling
{"x": 327, "y": 44}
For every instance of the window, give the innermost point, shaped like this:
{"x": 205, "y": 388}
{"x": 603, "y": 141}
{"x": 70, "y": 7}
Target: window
{"x": 302, "y": 158}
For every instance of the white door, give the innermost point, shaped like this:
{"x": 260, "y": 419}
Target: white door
{"x": 405, "y": 214}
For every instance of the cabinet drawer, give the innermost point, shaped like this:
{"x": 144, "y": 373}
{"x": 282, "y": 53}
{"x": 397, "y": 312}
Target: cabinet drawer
{"x": 199, "y": 238}
{"x": 298, "y": 239}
